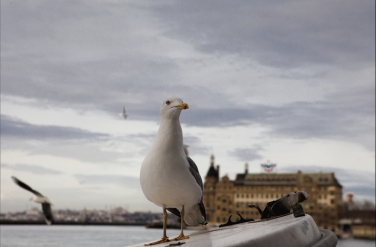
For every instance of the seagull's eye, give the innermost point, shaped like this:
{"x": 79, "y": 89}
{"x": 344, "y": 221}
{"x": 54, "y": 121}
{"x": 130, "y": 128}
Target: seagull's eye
{"x": 168, "y": 102}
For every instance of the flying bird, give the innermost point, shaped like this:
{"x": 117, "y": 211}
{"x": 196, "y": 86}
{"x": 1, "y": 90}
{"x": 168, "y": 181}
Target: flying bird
{"x": 124, "y": 113}
{"x": 168, "y": 177}
{"x": 38, "y": 198}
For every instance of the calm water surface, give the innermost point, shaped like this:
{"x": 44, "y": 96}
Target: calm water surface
{"x": 104, "y": 236}
{"x": 78, "y": 236}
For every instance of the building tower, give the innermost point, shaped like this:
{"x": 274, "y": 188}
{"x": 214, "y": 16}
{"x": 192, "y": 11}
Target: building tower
{"x": 211, "y": 180}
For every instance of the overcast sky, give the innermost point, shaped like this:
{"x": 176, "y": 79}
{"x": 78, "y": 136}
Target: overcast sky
{"x": 292, "y": 82}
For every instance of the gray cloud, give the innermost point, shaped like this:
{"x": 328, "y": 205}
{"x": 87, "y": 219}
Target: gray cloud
{"x": 361, "y": 191}
{"x": 86, "y": 70}
{"x": 333, "y": 119}
{"x": 277, "y": 33}
{"x": 127, "y": 182}
{"x": 247, "y": 154}
{"x": 31, "y": 168}
{"x": 195, "y": 146}
{"x": 62, "y": 64}
{"x": 14, "y": 128}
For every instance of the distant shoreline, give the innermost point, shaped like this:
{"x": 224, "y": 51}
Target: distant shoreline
{"x": 25, "y": 222}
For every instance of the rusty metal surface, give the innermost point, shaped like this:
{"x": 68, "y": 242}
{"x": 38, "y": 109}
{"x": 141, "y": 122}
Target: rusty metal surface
{"x": 276, "y": 208}
{"x": 283, "y": 205}
{"x": 272, "y": 232}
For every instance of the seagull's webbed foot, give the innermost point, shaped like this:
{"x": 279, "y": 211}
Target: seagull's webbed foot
{"x": 163, "y": 240}
{"x": 180, "y": 237}
{"x": 164, "y": 236}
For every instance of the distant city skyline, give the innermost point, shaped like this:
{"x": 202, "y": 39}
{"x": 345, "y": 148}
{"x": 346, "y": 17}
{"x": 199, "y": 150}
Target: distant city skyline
{"x": 348, "y": 179}
{"x": 292, "y": 82}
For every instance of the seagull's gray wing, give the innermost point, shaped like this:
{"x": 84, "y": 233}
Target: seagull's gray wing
{"x": 46, "y": 207}
{"x": 196, "y": 174}
{"x": 25, "y": 186}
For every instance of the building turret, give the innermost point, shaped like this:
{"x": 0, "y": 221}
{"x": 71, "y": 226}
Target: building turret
{"x": 210, "y": 187}
{"x": 212, "y": 172}
{"x": 349, "y": 201}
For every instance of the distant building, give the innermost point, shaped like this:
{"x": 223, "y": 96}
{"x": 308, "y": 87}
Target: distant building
{"x": 223, "y": 197}
{"x": 356, "y": 222}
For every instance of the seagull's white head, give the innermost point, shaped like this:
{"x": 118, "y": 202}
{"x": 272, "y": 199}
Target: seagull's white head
{"x": 171, "y": 108}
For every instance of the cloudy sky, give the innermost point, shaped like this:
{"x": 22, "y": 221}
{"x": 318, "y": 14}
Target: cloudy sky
{"x": 292, "y": 82}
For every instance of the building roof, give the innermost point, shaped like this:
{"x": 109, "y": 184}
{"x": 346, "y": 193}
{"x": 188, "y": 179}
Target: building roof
{"x": 212, "y": 172}
{"x": 319, "y": 179}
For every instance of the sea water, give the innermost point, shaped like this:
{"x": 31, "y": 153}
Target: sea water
{"x": 78, "y": 236}
{"x": 103, "y": 236}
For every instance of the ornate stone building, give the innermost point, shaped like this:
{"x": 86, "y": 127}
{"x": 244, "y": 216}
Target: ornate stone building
{"x": 224, "y": 197}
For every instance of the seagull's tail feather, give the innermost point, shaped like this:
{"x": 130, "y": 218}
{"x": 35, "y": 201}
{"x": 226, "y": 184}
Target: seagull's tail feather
{"x": 202, "y": 210}
{"x": 194, "y": 216}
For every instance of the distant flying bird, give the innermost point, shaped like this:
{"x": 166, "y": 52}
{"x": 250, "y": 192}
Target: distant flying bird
{"x": 168, "y": 177}
{"x": 38, "y": 198}
{"x": 124, "y": 113}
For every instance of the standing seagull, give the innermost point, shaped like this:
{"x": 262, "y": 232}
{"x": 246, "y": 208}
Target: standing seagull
{"x": 39, "y": 198}
{"x": 169, "y": 178}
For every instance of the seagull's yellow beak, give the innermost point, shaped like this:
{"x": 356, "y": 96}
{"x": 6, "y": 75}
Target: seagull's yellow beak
{"x": 182, "y": 106}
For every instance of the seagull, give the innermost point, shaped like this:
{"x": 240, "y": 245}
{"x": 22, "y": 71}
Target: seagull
{"x": 39, "y": 198}
{"x": 124, "y": 113}
{"x": 168, "y": 177}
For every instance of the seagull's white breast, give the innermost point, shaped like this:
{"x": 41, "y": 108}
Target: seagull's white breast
{"x": 165, "y": 176}
{"x": 167, "y": 181}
